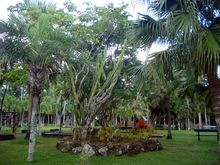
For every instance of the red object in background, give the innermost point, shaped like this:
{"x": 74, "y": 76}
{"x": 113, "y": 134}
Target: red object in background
{"x": 141, "y": 123}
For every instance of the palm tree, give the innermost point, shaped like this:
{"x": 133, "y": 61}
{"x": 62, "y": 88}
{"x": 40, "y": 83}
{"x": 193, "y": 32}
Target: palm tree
{"x": 41, "y": 42}
{"x": 191, "y": 29}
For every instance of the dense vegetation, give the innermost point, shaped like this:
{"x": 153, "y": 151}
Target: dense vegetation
{"x": 79, "y": 68}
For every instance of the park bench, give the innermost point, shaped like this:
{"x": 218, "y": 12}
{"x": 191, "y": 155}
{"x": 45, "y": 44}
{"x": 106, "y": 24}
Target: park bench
{"x": 208, "y": 130}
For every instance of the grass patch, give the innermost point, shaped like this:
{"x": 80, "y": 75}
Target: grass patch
{"x": 184, "y": 149}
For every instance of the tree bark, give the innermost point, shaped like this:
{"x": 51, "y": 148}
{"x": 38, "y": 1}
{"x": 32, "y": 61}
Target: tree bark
{"x": 86, "y": 127}
{"x": 33, "y": 130}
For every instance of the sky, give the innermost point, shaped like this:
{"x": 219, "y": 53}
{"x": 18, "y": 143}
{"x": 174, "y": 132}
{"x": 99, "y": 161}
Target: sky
{"x": 133, "y": 8}
{"x": 134, "y": 5}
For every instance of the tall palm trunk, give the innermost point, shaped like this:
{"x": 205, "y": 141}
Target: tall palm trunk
{"x": 214, "y": 89}
{"x": 36, "y": 79}
{"x": 33, "y": 129}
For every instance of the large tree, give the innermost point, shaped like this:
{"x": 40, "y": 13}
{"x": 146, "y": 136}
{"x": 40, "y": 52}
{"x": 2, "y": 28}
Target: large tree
{"x": 191, "y": 29}
{"x": 94, "y": 66}
{"x": 36, "y": 39}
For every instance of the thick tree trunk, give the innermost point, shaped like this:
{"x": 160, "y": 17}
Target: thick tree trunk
{"x": 214, "y": 89}
{"x": 86, "y": 127}
{"x": 92, "y": 112}
{"x": 33, "y": 130}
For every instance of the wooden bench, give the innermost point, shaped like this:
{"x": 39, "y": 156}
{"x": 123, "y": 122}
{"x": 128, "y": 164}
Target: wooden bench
{"x": 206, "y": 130}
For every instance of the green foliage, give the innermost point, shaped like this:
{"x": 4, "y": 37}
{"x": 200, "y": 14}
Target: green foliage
{"x": 123, "y": 111}
{"x": 105, "y": 133}
{"x": 17, "y": 75}
{"x": 49, "y": 100}
{"x": 15, "y": 103}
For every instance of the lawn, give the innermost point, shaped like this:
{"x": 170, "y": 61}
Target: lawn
{"x": 184, "y": 149}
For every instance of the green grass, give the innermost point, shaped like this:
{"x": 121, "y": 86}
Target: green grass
{"x": 184, "y": 149}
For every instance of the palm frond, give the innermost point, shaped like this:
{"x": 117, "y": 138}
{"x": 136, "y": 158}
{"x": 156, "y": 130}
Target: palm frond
{"x": 148, "y": 30}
